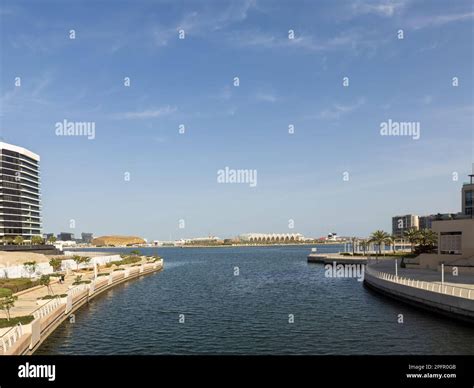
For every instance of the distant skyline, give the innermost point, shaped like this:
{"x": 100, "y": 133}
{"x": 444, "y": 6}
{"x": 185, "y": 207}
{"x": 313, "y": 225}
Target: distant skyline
{"x": 310, "y": 137}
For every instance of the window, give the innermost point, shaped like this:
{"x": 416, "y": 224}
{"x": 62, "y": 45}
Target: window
{"x": 450, "y": 243}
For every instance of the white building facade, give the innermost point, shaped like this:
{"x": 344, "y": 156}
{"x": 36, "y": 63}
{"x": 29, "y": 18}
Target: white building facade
{"x": 20, "y": 206}
{"x": 271, "y": 237}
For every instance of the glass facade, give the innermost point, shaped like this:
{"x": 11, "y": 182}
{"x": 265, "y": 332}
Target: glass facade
{"x": 468, "y": 202}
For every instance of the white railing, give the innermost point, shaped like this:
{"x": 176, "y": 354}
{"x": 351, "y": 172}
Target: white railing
{"x": 78, "y": 289}
{"x": 47, "y": 308}
{"x": 8, "y": 339}
{"x": 440, "y": 288}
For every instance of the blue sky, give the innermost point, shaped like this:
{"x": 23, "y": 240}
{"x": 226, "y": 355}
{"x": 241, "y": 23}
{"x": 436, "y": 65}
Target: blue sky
{"x": 282, "y": 81}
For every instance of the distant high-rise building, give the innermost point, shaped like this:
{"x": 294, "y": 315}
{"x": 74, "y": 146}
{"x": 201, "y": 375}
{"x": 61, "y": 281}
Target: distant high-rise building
{"x": 87, "y": 237}
{"x": 19, "y": 192}
{"x": 65, "y": 236}
{"x": 426, "y": 221}
{"x": 400, "y": 224}
{"x": 47, "y": 236}
{"x": 468, "y": 198}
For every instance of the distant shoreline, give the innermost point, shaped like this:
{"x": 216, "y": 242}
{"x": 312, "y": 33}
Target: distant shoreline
{"x": 212, "y": 246}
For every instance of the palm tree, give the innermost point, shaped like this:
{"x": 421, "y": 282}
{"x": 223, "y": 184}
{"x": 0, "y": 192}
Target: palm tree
{"x": 52, "y": 240}
{"x": 78, "y": 260}
{"x": 55, "y": 263}
{"x": 18, "y": 240}
{"x": 364, "y": 244}
{"x": 393, "y": 241}
{"x": 37, "y": 240}
{"x": 427, "y": 240}
{"x": 413, "y": 236}
{"x": 353, "y": 243}
{"x": 86, "y": 260}
{"x": 379, "y": 237}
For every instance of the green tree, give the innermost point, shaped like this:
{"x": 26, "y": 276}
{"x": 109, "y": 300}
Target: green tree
{"x": 45, "y": 280}
{"x": 379, "y": 237}
{"x": 18, "y": 240}
{"x": 86, "y": 260}
{"x": 78, "y": 260}
{"x": 55, "y": 263}
{"x": 135, "y": 252}
{"x": 364, "y": 244}
{"x": 392, "y": 241}
{"x": 413, "y": 236}
{"x": 37, "y": 240}
{"x": 7, "y": 301}
{"x": 427, "y": 241}
{"x": 7, "y": 240}
{"x": 52, "y": 240}
{"x": 30, "y": 267}
{"x": 353, "y": 241}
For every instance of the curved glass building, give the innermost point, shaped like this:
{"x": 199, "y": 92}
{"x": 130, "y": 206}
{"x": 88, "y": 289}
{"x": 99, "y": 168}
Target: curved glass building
{"x": 20, "y": 207}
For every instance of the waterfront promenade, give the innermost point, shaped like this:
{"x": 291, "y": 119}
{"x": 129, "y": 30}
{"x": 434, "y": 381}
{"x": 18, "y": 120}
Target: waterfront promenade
{"x": 67, "y": 298}
{"x": 450, "y": 295}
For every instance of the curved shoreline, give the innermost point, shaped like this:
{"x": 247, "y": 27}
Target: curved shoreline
{"x": 442, "y": 304}
{"x": 33, "y": 335}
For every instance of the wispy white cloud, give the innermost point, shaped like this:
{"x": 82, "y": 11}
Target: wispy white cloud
{"x": 28, "y": 94}
{"x": 386, "y": 8}
{"x": 266, "y": 97}
{"x": 355, "y": 39}
{"x": 147, "y": 114}
{"x": 426, "y": 21}
{"x": 336, "y": 111}
{"x": 203, "y": 22}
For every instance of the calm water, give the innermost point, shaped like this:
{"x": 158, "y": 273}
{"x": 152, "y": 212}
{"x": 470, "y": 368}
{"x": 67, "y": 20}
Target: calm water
{"x": 248, "y": 314}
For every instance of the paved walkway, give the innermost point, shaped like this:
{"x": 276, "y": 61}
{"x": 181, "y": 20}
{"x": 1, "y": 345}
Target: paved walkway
{"x": 26, "y": 303}
{"x": 427, "y": 275}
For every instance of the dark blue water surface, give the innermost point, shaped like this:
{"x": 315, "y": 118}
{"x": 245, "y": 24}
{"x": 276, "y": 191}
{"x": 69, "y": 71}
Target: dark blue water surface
{"x": 249, "y": 313}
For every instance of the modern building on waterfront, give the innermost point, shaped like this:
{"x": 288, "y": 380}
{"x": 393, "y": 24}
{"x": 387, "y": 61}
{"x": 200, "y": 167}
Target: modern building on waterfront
{"x": 468, "y": 197}
{"x": 87, "y": 238}
{"x": 271, "y": 237}
{"x": 66, "y": 236}
{"x": 20, "y": 204}
{"x": 400, "y": 224}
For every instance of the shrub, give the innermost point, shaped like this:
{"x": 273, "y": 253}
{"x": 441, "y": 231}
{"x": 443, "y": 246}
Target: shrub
{"x": 119, "y": 269}
{"x": 52, "y": 296}
{"x": 18, "y": 284}
{"x": 5, "y": 292}
{"x": 81, "y": 282}
{"x": 24, "y": 320}
{"x": 103, "y": 274}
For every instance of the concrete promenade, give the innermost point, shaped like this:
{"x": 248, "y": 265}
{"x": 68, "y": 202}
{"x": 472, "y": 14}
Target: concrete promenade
{"x": 50, "y": 313}
{"x": 424, "y": 288}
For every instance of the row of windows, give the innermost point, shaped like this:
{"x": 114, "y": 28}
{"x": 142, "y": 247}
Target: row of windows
{"x": 18, "y": 193}
{"x": 14, "y": 178}
{"x": 18, "y": 186}
{"x": 19, "y": 232}
{"x": 18, "y": 175}
{"x": 20, "y": 165}
{"x": 20, "y": 212}
{"x": 11, "y": 198}
{"x": 16, "y": 205}
{"x": 18, "y": 218}
{"x": 18, "y": 155}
